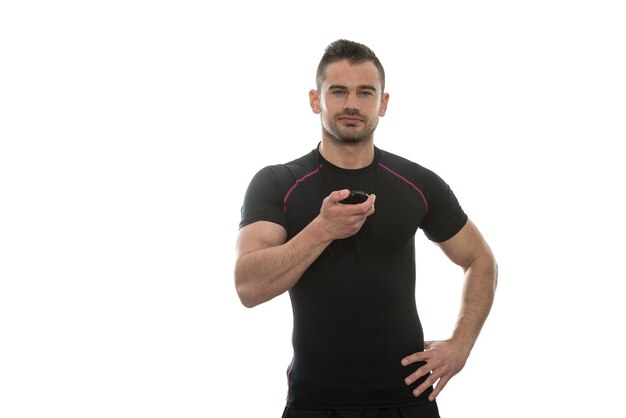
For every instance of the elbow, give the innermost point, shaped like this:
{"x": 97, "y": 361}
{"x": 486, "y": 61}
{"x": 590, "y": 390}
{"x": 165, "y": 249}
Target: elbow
{"x": 250, "y": 296}
{"x": 246, "y": 300}
{"x": 486, "y": 268}
{"x": 251, "y": 289}
{"x": 248, "y": 303}
{"x": 495, "y": 275}
{"x": 490, "y": 266}
{"x": 246, "y": 294}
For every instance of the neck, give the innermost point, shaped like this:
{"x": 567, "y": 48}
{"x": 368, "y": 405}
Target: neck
{"x": 349, "y": 156}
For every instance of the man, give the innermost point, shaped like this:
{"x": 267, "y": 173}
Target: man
{"x": 358, "y": 344}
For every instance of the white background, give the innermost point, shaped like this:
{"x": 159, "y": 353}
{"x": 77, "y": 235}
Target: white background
{"x": 130, "y": 129}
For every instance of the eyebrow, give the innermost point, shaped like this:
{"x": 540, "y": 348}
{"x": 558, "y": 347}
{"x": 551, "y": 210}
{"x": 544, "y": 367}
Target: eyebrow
{"x": 362, "y": 87}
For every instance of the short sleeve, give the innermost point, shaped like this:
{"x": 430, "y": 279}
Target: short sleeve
{"x": 445, "y": 217}
{"x": 263, "y": 198}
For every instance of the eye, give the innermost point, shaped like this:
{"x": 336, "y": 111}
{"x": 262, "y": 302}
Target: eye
{"x": 338, "y": 92}
{"x": 365, "y": 93}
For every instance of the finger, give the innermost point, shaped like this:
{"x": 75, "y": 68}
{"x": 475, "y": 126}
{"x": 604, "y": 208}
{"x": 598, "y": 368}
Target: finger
{"x": 366, "y": 206}
{"x": 416, "y": 375}
{"x": 429, "y": 382}
{"x": 440, "y": 385}
{"x": 338, "y": 195}
{"x": 370, "y": 201}
{"x": 414, "y": 358}
{"x": 427, "y": 345}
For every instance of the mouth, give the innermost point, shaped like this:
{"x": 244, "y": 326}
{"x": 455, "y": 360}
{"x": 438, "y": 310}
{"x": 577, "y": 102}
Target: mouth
{"x": 350, "y": 119}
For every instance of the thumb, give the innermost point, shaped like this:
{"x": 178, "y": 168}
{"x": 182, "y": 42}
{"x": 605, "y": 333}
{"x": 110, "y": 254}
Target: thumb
{"x": 338, "y": 195}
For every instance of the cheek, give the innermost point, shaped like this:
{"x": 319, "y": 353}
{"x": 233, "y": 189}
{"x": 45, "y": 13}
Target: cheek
{"x": 330, "y": 109}
{"x": 324, "y": 105}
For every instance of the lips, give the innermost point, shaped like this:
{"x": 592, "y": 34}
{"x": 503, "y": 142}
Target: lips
{"x": 350, "y": 119}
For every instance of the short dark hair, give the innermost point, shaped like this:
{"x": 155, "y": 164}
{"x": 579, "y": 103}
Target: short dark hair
{"x": 354, "y": 52}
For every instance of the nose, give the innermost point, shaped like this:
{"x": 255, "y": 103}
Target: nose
{"x": 351, "y": 102}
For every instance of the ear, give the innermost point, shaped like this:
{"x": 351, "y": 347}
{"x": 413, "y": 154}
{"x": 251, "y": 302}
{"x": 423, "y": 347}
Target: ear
{"x": 383, "y": 104}
{"x": 314, "y": 101}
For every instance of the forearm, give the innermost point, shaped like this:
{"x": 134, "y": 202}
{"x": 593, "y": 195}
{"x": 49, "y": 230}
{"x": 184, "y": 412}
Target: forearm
{"x": 478, "y": 295}
{"x": 268, "y": 272}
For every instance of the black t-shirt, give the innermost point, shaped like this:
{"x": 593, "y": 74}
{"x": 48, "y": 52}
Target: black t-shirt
{"x": 354, "y": 308}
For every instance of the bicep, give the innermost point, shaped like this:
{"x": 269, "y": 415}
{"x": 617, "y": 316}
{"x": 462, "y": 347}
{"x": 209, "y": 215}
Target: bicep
{"x": 259, "y": 235}
{"x": 466, "y": 246}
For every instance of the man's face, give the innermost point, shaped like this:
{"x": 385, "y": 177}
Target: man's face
{"x": 350, "y": 101}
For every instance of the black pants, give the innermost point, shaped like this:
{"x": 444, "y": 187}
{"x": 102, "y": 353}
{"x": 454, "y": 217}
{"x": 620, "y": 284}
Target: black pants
{"x": 427, "y": 410}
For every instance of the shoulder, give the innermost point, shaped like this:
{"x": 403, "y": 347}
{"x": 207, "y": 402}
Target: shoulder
{"x": 403, "y": 167}
{"x": 289, "y": 171}
{"x": 303, "y": 165}
{"x": 292, "y": 168}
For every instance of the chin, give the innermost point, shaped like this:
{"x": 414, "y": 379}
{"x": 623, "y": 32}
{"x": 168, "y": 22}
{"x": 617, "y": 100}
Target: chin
{"x": 349, "y": 140}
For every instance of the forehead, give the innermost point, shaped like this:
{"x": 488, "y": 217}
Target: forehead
{"x": 344, "y": 73}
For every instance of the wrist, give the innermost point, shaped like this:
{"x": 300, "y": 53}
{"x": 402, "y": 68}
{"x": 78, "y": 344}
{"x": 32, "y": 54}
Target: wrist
{"x": 319, "y": 233}
{"x": 465, "y": 343}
